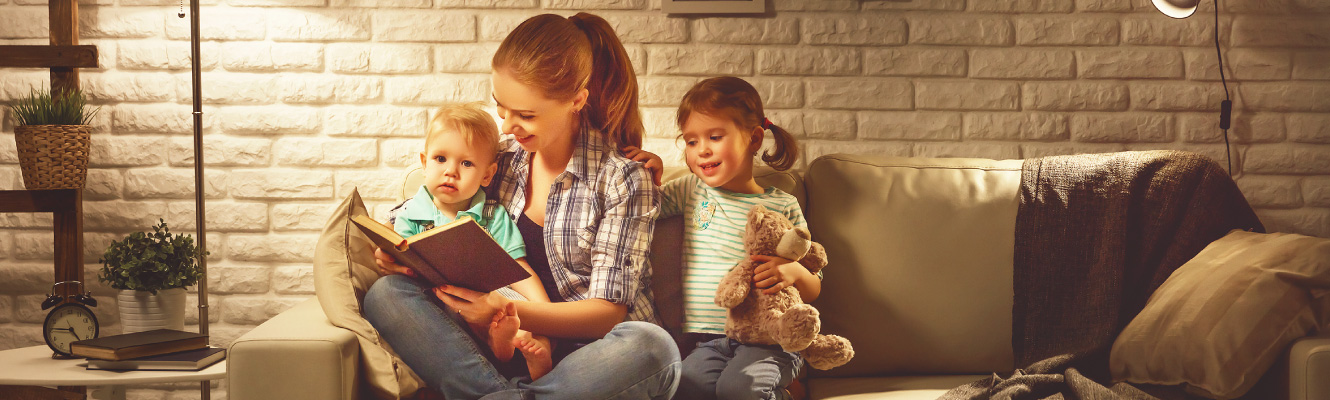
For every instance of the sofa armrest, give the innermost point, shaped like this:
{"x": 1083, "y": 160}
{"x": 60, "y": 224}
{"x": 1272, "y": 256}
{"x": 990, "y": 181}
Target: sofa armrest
{"x": 296, "y": 355}
{"x": 1308, "y": 366}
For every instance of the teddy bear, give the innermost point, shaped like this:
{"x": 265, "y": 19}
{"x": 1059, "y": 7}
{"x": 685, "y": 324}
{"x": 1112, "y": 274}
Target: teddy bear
{"x": 781, "y": 318}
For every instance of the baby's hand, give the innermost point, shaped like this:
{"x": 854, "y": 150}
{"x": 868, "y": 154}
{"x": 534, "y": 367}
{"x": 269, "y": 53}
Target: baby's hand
{"x": 775, "y": 273}
{"x": 652, "y": 161}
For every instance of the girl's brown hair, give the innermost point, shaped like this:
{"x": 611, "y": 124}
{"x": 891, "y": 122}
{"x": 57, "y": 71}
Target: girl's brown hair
{"x": 561, "y": 56}
{"x": 734, "y": 98}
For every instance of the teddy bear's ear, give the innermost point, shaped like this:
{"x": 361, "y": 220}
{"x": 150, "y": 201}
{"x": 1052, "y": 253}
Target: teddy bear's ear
{"x": 794, "y": 244}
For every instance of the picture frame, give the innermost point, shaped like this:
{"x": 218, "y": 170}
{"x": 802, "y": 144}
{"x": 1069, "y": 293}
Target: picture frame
{"x": 713, "y": 6}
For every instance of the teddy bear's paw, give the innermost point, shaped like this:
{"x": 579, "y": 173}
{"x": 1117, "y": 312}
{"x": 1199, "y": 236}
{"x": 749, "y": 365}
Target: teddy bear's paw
{"x": 729, "y": 297}
{"x": 828, "y": 351}
{"x": 798, "y": 327}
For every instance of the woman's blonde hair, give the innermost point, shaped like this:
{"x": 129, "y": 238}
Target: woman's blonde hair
{"x": 561, "y": 56}
{"x": 475, "y": 125}
{"x": 735, "y": 99}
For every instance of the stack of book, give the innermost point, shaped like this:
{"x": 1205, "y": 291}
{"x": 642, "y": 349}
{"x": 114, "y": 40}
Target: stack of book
{"x": 160, "y": 350}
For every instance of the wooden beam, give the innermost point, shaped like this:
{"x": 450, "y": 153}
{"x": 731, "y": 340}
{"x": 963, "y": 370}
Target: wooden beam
{"x": 84, "y": 56}
{"x": 48, "y": 200}
{"x": 64, "y": 32}
{"x": 68, "y": 227}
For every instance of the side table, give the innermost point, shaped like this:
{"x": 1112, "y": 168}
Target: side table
{"x": 33, "y": 366}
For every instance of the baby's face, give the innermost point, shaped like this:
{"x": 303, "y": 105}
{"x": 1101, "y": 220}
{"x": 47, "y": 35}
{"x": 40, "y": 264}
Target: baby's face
{"x": 455, "y": 170}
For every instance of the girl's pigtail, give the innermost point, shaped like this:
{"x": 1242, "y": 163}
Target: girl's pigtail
{"x": 782, "y": 157}
{"x": 612, "y": 104}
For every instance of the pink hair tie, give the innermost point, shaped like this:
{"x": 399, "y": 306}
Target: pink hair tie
{"x": 766, "y": 124}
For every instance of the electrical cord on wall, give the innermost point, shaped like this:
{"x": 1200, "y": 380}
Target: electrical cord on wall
{"x": 1225, "y": 107}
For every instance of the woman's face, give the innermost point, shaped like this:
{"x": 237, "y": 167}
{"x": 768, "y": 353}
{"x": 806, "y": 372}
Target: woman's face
{"x": 535, "y": 121}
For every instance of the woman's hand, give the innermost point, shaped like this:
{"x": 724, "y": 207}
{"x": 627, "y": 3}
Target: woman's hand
{"x": 652, "y": 161}
{"x": 475, "y": 307}
{"x": 776, "y": 273}
{"x": 388, "y": 265}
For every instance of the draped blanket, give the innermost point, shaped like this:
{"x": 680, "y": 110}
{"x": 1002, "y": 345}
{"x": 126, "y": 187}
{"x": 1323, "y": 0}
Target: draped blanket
{"x": 1096, "y": 234}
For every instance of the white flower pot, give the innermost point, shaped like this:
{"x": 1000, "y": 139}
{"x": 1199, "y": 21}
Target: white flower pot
{"x": 142, "y": 311}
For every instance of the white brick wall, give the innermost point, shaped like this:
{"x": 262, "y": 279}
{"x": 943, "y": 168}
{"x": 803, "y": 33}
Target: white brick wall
{"x": 306, "y": 99}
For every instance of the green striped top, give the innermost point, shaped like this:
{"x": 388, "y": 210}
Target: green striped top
{"x": 714, "y": 221}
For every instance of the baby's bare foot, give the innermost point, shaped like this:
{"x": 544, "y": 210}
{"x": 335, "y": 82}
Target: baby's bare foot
{"x": 502, "y": 332}
{"x": 536, "y": 350}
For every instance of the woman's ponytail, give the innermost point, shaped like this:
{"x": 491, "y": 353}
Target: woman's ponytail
{"x": 612, "y": 104}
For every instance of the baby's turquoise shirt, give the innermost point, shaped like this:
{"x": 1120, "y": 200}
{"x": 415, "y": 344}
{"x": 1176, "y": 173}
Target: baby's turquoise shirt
{"x": 420, "y": 214}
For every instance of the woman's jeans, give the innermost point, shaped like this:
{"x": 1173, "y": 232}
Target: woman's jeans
{"x": 635, "y": 360}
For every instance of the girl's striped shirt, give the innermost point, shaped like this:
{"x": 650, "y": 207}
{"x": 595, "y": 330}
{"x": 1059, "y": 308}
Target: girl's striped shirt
{"x": 714, "y": 222}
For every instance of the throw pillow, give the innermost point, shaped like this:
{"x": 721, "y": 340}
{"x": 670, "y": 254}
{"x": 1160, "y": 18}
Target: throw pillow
{"x": 1220, "y": 320}
{"x": 343, "y": 271}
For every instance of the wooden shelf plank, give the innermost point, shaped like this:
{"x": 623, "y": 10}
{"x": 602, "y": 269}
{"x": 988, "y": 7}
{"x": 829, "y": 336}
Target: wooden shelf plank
{"x": 84, "y": 56}
{"x": 53, "y": 200}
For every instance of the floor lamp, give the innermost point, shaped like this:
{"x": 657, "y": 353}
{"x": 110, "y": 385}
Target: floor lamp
{"x": 1183, "y": 9}
{"x": 205, "y": 388}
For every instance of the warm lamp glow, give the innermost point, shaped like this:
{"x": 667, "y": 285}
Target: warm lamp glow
{"x": 1176, "y": 8}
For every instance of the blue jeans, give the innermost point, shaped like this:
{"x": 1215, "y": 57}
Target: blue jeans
{"x": 635, "y": 360}
{"x": 726, "y": 369}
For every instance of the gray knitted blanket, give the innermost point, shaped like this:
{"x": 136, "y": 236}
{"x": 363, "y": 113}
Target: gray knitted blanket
{"x": 1096, "y": 234}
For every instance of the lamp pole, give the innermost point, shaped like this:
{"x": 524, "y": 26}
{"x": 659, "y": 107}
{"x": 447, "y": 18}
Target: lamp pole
{"x": 205, "y": 388}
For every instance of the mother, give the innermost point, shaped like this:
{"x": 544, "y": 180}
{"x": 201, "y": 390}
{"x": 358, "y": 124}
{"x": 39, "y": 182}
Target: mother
{"x": 568, "y": 95}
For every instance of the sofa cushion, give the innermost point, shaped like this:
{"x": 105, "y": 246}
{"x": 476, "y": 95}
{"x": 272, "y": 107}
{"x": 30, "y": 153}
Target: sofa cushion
{"x": 887, "y": 387}
{"x": 343, "y": 270}
{"x": 1221, "y": 320}
{"x": 920, "y": 261}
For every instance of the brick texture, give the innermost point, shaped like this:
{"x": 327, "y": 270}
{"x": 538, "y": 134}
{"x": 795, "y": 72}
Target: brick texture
{"x": 307, "y": 99}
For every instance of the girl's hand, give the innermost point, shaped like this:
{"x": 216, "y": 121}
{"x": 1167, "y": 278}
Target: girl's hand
{"x": 388, "y": 265}
{"x": 653, "y": 162}
{"x": 475, "y": 307}
{"x": 775, "y": 273}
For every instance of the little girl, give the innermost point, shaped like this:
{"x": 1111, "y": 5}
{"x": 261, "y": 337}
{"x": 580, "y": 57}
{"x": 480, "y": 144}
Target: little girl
{"x": 723, "y": 125}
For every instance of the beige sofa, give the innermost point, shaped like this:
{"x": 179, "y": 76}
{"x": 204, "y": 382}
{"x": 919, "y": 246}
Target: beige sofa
{"x": 920, "y": 280}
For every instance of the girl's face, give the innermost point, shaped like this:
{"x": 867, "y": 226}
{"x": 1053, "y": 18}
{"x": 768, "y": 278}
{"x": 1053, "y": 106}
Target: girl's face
{"x": 536, "y": 122}
{"x": 720, "y": 152}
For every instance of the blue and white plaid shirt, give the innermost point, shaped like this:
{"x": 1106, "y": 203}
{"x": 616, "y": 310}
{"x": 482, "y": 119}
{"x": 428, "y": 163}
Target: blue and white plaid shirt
{"x": 598, "y": 222}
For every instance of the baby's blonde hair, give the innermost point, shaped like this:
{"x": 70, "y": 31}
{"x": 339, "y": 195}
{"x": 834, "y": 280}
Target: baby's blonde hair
{"x": 467, "y": 119}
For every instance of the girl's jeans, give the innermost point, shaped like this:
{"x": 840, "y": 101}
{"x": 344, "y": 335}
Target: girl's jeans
{"x": 726, "y": 369}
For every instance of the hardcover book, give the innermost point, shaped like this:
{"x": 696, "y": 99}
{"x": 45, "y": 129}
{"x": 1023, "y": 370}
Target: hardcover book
{"x": 192, "y": 360}
{"x": 459, "y": 253}
{"x": 138, "y": 344}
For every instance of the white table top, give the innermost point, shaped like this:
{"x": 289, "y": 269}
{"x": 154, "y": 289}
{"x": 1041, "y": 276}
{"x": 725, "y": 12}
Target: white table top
{"x": 34, "y": 366}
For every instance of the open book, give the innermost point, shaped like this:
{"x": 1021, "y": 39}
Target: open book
{"x": 459, "y": 253}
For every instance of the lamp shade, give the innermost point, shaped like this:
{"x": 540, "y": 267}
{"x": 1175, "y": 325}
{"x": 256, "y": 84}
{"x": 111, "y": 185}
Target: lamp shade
{"x": 1176, "y": 8}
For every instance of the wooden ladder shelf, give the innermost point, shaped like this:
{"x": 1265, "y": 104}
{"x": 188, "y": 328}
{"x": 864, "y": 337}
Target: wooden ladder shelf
{"x": 63, "y": 56}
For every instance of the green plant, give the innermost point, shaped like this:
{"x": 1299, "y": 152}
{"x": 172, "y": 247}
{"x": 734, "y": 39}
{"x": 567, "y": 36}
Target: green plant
{"x": 151, "y": 261}
{"x": 63, "y": 108}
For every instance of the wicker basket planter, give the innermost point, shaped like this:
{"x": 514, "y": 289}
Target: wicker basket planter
{"x": 53, "y": 156}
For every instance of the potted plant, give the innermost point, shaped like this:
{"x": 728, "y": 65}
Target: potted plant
{"x": 51, "y": 133}
{"x": 152, "y": 271}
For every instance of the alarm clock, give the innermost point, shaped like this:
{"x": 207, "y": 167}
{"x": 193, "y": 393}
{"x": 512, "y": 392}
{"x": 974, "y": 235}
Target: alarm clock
{"x": 68, "y": 322}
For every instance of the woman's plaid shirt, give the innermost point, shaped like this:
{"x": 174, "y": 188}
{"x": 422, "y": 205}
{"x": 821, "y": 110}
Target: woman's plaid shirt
{"x": 598, "y": 222}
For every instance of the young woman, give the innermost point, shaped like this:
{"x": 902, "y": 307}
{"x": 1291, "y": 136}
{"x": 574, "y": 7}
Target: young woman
{"x": 568, "y": 96}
